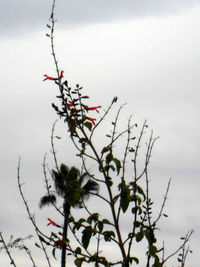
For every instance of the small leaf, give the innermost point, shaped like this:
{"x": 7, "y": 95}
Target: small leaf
{"x": 78, "y": 262}
{"x": 78, "y": 250}
{"x": 108, "y": 235}
{"x": 88, "y": 125}
{"x": 100, "y": 226}
{"x": 118, "y": 164}
{"x": 109, "y": 158}
{"x": 141, "y": 192}
{"x": 139, "y": 236}
{"x": 135, "y": 259}
{"x": 54, "y": 253}
{"x": 137, "y": 224}
{"x": 106, "y": 221}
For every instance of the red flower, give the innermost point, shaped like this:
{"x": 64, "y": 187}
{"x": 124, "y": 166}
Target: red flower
{"x": 49, "y": 78}
{"x": 91, "y": 119}
{"x": 61, "y": 74}
{"x": 52, "y": 222}
{"x": 92, "y": 108}
{"x": 61, "y": 243}
{"x": 52, "y": 78}
{"x": 70, "y": 105}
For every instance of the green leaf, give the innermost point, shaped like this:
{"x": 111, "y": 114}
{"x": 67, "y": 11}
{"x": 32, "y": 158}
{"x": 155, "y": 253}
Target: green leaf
{"x": 109, "y": 158}
{"x": 139, "y": 236}
{"x": 87, "y": 233}
{"x": 125, "y": 197}
{"x": 107, "y": 167}
{"x": 108, "y": 235}
{"x": 137, "y": 210}
{"x": 78, "y": 250}
{"x": 118, "y": 164}
{"x": 100, "y": 226}
{"x": 141, "y": 192}
{"x": 105, "y": 149}
{"x": 116, "y": 198}
{"x": 82, "y": 140}
{"x": 88, "y": 125}
{"x": 109, "y": 181}
{"x": 106, "y": 221}
{"x": 157, "y": 262}
{"x": 78, "y": 224}
{"x": 78, "y": 262}
{"x": 137, "y": 224}
{"x": 93, "y": 217}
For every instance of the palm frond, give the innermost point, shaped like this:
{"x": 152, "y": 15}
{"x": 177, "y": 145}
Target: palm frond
{"x": 59, "y": 182}
{"x": 90, "y": 186}
{"x": 73, "y": 174}
{"x": 47, "y": 200}
{"x": 64, "y": 169}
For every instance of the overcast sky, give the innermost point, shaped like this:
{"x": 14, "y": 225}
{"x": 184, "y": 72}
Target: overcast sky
{"x": 145, "y": 52}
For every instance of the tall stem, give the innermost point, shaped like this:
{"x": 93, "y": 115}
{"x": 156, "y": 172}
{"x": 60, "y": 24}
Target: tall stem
{"x": 64, "y": 235}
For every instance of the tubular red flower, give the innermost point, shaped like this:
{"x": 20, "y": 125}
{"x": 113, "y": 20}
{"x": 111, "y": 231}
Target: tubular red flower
{"x": 91, "y": 119}
{"x": 48, "y": 78}
{"x": 52, "y": 78}
{"x": 95, "y": 108}
{"x": 52, "y": 222}
{"x": 70, "y": 105}
{"x": 91, "y": 108}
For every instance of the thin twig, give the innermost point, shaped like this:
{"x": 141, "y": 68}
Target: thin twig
{"x": 7, "y": 250}
{"x": 30, "y": 216}
{"x": 186, "y": 239}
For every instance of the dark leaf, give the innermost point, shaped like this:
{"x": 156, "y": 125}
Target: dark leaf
{"x": 78, "y": 262}
{"x": 87, "y": 233}
{"x": 88, "y": 125}
{"x": 47, "y": 200}
{"x": 118, "y": 164}
{"x": 139, "y": 236}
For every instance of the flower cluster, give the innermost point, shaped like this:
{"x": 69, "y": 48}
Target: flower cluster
{"x": 73, "y": 109}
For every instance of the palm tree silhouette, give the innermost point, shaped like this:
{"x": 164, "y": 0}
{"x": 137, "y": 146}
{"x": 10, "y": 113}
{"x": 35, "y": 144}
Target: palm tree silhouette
{"x": 73, "y": 188}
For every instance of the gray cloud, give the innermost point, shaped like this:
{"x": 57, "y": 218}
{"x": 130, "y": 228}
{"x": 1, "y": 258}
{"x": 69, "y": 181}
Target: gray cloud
{"x": 20, "y": 17}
